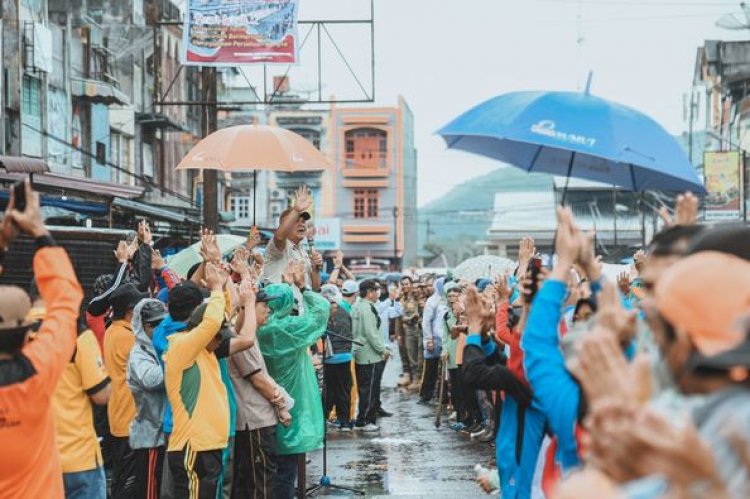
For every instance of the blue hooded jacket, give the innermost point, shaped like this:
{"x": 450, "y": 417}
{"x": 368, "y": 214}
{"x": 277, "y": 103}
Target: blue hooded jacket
{"x": 167, "y": 328}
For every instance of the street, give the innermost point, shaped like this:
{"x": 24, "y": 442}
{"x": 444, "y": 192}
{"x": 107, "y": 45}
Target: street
{"x": 407, "y": 458}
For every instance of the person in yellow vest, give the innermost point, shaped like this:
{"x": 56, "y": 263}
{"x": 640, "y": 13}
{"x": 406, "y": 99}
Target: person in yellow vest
{"x": 118, "y": 341}
{"x": 200, "y": 405}
{"x": 84, "y": 381}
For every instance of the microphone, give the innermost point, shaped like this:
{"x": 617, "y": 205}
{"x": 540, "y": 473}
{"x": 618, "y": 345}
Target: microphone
{"x": 310, "y": 242}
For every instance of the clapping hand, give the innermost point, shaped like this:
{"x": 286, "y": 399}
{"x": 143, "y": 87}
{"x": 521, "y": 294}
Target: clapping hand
{"x": 526, "y": 251}
{"x": 478, "y": 314}
{"x": 239, "y": 263}
{"x": 612, "y": 316}
{"x": 623, "y": 283}
{"x": 502, "y": 289}
{"x": 216, "y": 277}
{"x": 247, "y": 290}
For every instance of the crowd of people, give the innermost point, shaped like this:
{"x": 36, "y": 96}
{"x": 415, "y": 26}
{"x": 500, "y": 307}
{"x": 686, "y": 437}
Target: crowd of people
{"x": 217, "y": 383}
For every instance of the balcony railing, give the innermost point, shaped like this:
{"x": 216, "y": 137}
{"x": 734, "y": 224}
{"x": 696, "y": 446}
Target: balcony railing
{"x": 366, "y": 159}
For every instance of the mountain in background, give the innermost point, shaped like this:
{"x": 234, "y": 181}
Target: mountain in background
{"x": 461, "y": 217}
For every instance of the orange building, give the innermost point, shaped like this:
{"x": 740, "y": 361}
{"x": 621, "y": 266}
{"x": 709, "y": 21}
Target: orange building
{"x": 373, "y": 189}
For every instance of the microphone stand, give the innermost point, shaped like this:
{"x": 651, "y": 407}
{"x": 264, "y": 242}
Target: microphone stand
{"x": 325, "y": 483}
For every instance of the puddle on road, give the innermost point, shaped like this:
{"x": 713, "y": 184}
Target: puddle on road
{"x": 393, "y": 441}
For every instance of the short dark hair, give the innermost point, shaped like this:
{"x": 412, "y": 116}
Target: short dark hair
{"x": 366, "y": 286}
{"x": 733, "y": 239}
{"x": 407, "y": 278}
{"x": 674, "y": 241}
{"x": 192, "y": 270}
{"x": 183, "y": 299}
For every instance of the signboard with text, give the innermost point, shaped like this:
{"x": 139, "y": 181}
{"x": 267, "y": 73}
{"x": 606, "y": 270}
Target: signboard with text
{"x": 327, "y": 234}
{"x": 230, "y": 33}
{"x": 722, "y": 172}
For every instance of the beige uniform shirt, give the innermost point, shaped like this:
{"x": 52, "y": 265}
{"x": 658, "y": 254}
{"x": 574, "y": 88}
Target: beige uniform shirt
{"x": 277, "y": 260}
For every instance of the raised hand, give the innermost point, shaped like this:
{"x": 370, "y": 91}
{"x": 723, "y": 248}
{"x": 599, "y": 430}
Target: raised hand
{"x": 253, "y": 238}
{"x": 502, "y": 290}
{"x": 568, "y": 239}
{"x": 639, "y": 260}
{"x": 215, "y": 277}
{"x": 30, "y": 220}
{"x": 623, "y": 283}
{"x": 157, "y": 261}
{"x": 247, "y": 290}
{"x": 338, "y": 259}
{"x": 144, "y": 232}
{"x": 478, "y": 314}
{"x": 613, "y": 317}
{"x": 209, "y": 247}
{"x": 239, "y": 263}
{"x": 302, "y": 199}
{"x": 121, "y": 253}
{"x": 686, "y": 211}
{"x": 587, "y": 258}
{"x": 526, "y": 251}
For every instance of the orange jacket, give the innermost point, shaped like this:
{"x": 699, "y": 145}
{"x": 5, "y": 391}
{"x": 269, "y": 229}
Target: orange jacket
{"x": 29, "y": 462}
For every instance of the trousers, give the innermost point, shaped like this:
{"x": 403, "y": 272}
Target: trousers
{"x": 338, "y": 383}
{"x": 369, "y": 377}
{"x": 255, "y": 464}
{"x": 195, "y": 473}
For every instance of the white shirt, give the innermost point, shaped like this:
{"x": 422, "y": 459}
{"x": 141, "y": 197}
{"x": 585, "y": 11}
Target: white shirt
{"x": 276, "y": 262}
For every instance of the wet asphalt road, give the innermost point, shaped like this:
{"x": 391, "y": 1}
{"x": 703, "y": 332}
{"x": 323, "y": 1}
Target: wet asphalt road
{"x": 408, "y": 457}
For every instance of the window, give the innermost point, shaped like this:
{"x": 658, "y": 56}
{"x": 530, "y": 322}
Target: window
{"x": 241, "y": 207}
{"x": 366, "y": 148}
{"x": 31, "y": 97}
{"x": 366, "y": 203}
{"x": 311, "y": 136}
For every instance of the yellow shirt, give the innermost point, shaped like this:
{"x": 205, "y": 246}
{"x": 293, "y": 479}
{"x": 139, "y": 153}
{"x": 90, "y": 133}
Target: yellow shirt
{"x": 118, "y": 340}
{"x": 200, "y": 408}
{"x": 74, "y": 418}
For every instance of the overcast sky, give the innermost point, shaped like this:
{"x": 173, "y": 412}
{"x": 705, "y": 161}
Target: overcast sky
{"x": 446, "y": 56}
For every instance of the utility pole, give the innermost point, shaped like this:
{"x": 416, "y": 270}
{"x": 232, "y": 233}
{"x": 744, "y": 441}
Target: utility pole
{"x": 209, "y": 125}
{"x": 396, "y": 265}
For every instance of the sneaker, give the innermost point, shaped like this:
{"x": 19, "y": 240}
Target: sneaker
{"x": 370, "y": 428}
{"x": 458, "y": 426}
{"x": 472, "y": 429}
{"x": 453, "y": 416}
{"x": 487, "y": 437}
{"x": 333, "y": 424}
{"x": 358, "y": 425}
{"x": 480, "y": 431}
{"x": 382, "y": 413}
{"x": 345, "y": 429}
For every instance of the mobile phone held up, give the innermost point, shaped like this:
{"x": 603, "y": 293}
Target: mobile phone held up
{"x": 535, "y": 266}
{"x": 19, "y": 195}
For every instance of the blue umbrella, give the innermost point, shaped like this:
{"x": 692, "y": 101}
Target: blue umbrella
{"x": 575, "y": 135}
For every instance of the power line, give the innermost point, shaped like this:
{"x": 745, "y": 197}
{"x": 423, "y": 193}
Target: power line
{"x": 641, "y": 3}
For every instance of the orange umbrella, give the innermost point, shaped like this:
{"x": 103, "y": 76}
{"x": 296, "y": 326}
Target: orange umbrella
{"x": 254, "y": 147}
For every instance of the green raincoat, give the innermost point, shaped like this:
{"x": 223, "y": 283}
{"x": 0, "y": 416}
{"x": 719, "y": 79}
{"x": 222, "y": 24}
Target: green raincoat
{"x": 284, "y": 341}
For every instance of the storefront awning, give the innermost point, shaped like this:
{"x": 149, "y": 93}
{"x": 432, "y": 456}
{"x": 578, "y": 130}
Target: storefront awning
{"x": 158, "y": 120}
{"x": 98, "y": 92}
{"x": 154, "y": 211}
{"x": 51, "y": 181}
{"x": 87, "y": 208}
{"x": 22, "y": 164}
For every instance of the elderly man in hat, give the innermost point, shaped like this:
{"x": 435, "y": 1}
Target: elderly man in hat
{"x": 286, "y": 247}
{"x": 118, "y": 341}
{"x": 30, "y": 370}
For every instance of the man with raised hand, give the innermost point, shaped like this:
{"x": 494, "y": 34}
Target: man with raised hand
{"x": 30, "y": 370}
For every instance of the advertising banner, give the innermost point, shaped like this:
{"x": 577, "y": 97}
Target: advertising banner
{"x": 327, "y": 234}
{"x": 722, "y": 171}
{"x": 234, "y": 32}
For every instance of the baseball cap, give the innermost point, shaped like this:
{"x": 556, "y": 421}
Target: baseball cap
{"x": 263, "y": 297}
{"x": 706, "y": 295}
{"x": 349, "y": 288}
{"x": 124, "y": 298}
{"x": 331, "y": 293}
{"x": 14, "y": 308}
{"x": 153, "y": 311}
{"x": 304, "y": 215}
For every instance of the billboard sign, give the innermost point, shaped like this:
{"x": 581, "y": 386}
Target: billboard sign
{"x": 722, "y": 172}
{"x": 234, "y": 32}
{"x": 327, "y": 233}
